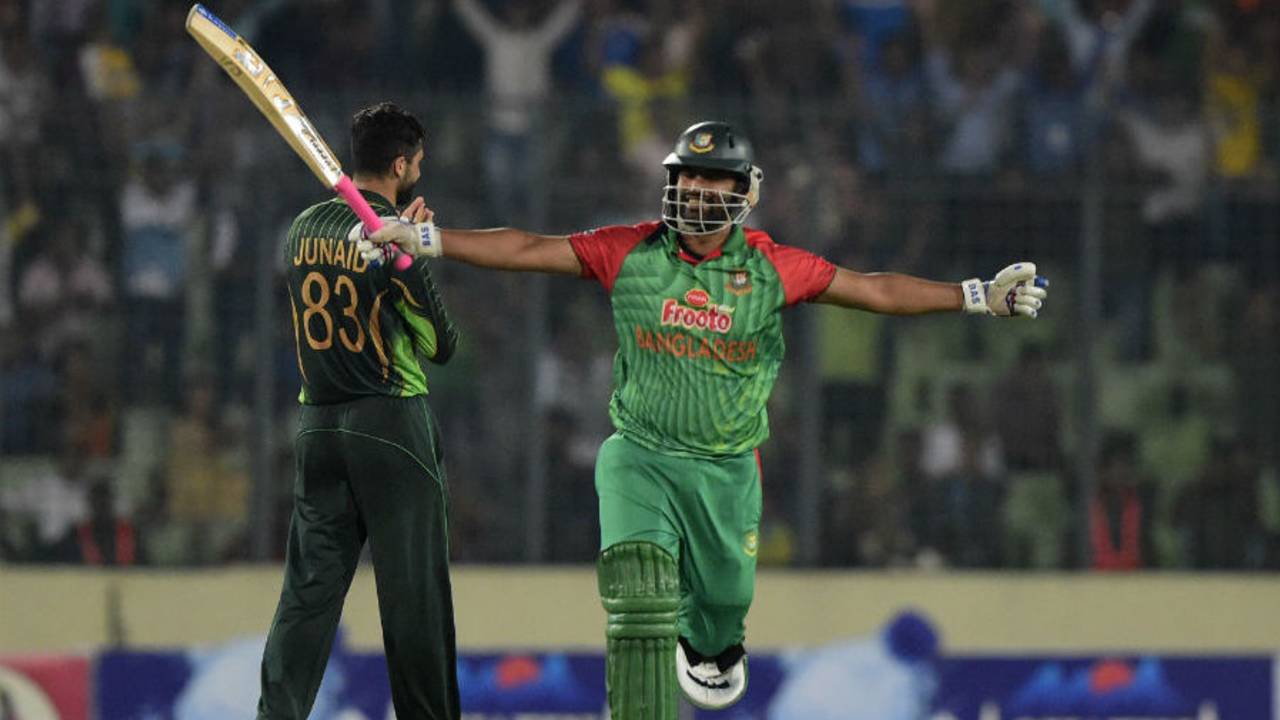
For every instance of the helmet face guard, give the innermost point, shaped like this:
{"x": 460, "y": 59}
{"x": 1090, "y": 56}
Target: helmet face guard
{"x": 713, "y": 148}
{"x": 701, "y": 211}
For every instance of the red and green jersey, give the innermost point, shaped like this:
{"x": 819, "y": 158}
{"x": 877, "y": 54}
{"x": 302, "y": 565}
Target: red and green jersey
{"x": 359, "y": 329}
{"x": 699, "y": 341}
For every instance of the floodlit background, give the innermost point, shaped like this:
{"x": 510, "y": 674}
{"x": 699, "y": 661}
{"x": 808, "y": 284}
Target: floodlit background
{"x": 985, "y": 473}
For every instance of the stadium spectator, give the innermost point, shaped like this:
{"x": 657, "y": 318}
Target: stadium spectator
{"x": 789, "y": 56}
{"x": 58, "y": 29}
{"x": 869, "y": 521}
{"x": 892, "y": 105}
{"x": 974, "y": 82}
{"x": 1238, "y": 77}
{"x": 1099, "y": 34}
{"x": 961, "y": 440}
{"x": 85, "y": 404}
{"x": 964, "y": 463}
{"x": 1028, "y": 389}
{"x": 1171, "y": 143}
{"x": 207, "y": 489}
{"x": 104, "y": 537}
{"x": 55, "y": 500}
{"x": 574, "y": 376}
{"x": 1122, "y": 510}
{"x": 64, "y": 290}
{"x": 876, "y": 26}
{"x": 966, "y": 506}
{"x": 851, "y": 362}
{"x": 518, "y": 82}
{"x": 1057, "y": 120}
{"x": 638, "y": 89}
{"x": 157, "y": 212}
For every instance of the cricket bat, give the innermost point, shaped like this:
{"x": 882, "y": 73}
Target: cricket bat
{"x": 246, "y": 67}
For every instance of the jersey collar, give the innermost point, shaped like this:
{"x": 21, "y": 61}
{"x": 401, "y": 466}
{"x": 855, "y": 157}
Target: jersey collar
{"x": 380, "y": 204}
{"x": 732, "y": 247}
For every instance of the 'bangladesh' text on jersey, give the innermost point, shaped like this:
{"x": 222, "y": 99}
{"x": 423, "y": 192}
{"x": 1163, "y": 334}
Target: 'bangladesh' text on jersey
{"x": 359, "y": 329}
{"x": 699, "y": 342}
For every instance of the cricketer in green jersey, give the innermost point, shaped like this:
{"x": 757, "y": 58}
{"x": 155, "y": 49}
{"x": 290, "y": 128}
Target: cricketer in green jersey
{"x": 368, "y": 452}
{"x": 696, "y": 304}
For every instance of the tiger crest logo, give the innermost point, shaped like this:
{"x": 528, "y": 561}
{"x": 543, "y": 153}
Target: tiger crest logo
{"x": 739, "y": 282}
{"x": 702, "y": 143}
{"x": 751, "y": 543}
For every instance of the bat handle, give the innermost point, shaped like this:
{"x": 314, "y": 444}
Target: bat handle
{"x": 356, "y": 201}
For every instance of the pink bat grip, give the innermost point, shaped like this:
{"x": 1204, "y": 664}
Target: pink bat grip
{"x": 352, "y": 196}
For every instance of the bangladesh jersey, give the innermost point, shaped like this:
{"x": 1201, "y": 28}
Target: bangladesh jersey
{"x": 359, "y": 329}
{"x": 699, "y": 341}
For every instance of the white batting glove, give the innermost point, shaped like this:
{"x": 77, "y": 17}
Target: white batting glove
{"x": 414, "y": 239}
{"x": 1016, "y": 290}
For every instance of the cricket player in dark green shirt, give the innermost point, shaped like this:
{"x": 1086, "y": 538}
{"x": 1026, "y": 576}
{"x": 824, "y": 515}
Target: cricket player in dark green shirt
{"x": 697, "y": 300}
{"x": 368, "y": 452}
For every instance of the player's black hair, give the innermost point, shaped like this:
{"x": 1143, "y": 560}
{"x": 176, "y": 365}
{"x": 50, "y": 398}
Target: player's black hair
{"x": 380, "y": 134}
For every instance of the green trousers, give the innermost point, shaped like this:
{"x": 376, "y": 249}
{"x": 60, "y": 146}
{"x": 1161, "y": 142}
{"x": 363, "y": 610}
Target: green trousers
{"x": 705, "y": 513}
{"x": 369, "y": 469}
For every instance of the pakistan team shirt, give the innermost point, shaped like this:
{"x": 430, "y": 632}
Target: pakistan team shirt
{"x": 359, "y": 329}
{"x": 699, "y": 341}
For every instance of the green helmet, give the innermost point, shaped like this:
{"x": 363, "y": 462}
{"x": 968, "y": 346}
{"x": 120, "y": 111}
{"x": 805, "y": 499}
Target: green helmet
{"x": 710, "y": 145}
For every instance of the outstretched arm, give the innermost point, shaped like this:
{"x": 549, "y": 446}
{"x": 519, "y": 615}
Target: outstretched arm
{"x": 1016, "y": 290}
{"x": 502, "y": 249}
{"x": 477, "y": 20}
{"x": 558, "y": 24}
{"x": 891, "y": 293}
{"x": 416, "y": 234}
{"x": 511, "y": 249}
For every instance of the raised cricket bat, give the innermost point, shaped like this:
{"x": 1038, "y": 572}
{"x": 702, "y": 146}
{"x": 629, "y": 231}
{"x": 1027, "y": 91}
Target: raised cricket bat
{"x": 267, "y": 92}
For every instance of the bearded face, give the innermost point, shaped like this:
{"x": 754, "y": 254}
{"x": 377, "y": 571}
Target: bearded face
{"x": 407, "y": 178}
{"x": 703, "y": 201}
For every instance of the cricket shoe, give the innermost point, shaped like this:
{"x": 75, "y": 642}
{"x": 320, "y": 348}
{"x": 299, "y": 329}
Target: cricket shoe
{"x": 712, "y": 683}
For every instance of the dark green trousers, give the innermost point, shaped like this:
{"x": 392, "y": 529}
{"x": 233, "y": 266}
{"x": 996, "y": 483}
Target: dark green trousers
{"x": 367, "y": 469}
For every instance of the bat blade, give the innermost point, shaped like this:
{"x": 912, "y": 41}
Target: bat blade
{"x": 268, "y": 93}
{"x": 261, "y": 85}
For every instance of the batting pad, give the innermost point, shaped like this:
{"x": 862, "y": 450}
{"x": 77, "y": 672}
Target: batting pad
{"x": 640, "y": 590}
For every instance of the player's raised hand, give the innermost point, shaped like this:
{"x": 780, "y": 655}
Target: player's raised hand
{"x": 418, "y": 212}
{"x": 413, "y": 232}
{"x": 1015, "y": 291}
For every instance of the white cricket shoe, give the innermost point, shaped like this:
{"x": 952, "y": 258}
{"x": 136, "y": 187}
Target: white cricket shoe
{"x": 705, "y": 683}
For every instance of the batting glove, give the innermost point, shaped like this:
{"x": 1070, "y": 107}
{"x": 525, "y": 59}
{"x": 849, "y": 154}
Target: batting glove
{"x": 414, "y": 239}
{"x": 1016, "y": 290}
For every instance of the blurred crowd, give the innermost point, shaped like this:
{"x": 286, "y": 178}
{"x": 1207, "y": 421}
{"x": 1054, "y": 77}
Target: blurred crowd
{"x": 1131, "y": 147}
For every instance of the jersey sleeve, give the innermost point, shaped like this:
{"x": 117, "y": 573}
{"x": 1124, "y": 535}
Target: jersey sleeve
{"x": 432, "y": 331}
{"x": 601, "y": 251}
{"x": 804, "y": 275}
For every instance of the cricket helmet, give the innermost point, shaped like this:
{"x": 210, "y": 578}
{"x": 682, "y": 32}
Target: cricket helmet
{"x": 714, "y": 146}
